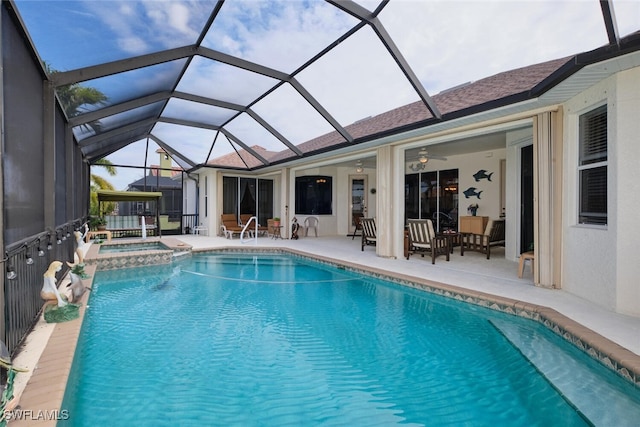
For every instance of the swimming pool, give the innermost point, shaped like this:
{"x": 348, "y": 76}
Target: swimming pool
{"x": 274, "y": 340}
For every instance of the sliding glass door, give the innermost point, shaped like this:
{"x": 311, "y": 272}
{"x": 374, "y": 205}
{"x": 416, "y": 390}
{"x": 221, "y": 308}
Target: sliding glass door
{"x": 433, "y": 195}
{"x": 250, "y": 196}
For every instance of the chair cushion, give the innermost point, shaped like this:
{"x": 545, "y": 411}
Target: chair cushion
{"x": 422, "y": 245}
{"x": 421, "y": 231}
{"x": 487, "y": 229}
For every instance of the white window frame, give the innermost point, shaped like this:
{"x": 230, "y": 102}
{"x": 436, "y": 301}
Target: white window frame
{"x": 590, "y": 166}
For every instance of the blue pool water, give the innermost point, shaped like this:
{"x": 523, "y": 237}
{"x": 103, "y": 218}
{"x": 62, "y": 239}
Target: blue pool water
{"x": 130, "y": 247}
{"x": 244, "y": 340}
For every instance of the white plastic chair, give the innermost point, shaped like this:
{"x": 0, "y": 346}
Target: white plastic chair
{"x": 311, "y": 222}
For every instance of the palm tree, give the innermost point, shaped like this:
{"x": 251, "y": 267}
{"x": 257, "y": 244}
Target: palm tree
{"x": 75, "y": 99}
{"x": 99, "y": 183}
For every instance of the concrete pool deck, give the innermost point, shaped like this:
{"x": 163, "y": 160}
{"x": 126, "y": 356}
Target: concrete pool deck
{"x": 48, "y": 351}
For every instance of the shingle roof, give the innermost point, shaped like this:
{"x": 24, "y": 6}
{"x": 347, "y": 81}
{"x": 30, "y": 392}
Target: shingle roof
{"x": 471, "y": 97}
{"x": 232, "y": 159}
{"x": 156, "y": 182}
{"x": 155, "y": 169}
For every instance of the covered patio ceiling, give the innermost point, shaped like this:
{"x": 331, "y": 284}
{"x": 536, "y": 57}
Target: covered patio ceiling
{"x": 248, "y": 84}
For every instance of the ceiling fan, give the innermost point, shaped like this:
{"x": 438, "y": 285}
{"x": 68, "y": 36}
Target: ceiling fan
{"x": 424, "y": 157}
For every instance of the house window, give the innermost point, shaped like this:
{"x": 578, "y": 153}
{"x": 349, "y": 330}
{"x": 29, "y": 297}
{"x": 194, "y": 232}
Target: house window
{"x": 592, "y": 167}
{"x": 314, "y": 195}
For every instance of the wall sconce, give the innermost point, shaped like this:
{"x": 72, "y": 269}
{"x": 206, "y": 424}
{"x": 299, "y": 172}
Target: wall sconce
{"x": 11, "y": 272}
{"x": 359, "y": 167}
{"x": 417, "y": 167}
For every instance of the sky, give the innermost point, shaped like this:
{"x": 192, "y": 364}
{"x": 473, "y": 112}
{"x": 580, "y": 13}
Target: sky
{"x": 446, "y": 43}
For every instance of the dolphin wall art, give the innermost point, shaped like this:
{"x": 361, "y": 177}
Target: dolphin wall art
{"x": 471, "y": 191}
{"x": 482, "y": 174}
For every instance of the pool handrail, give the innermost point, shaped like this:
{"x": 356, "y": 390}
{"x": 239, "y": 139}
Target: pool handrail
{"x": 255, "y": 231}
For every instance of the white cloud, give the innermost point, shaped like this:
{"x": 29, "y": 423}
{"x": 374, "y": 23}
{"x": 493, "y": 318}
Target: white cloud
{"x": 281, "y": 35}
{"x": 143, "y": 26}
{"x": 132, "y": 44}
{"x": 451, "y": 42}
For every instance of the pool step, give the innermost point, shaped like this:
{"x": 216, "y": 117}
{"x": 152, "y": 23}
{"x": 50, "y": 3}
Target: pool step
{"x": 177, "y": 254}
{"x": 590, "y": 392}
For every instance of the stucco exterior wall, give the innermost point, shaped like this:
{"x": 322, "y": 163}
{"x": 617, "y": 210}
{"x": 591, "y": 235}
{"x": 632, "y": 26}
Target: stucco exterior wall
{"x": 599, "y": 262}
{"x": 470, "y": 164}
{"x": 627, "y": 171}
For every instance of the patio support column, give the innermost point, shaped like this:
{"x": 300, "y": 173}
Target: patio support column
{"x": 73, "y": 186}
{"x": 384, "y": 204}
{"x": 547, "y": 140}
{"x": 287, "y": 182}
{"x": 49, "y": 147}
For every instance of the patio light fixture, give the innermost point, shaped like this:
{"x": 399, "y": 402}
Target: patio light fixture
{"x": 359, "y": 167}
{"x": 11, "y": 272}
{"x": 423, "y": 156}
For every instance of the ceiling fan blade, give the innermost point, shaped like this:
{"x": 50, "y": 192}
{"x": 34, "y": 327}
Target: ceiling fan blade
{"x": 430, "y": 157}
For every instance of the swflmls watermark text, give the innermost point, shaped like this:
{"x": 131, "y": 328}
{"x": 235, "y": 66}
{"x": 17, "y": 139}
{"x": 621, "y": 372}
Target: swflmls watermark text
{"x": 37, "y": 415}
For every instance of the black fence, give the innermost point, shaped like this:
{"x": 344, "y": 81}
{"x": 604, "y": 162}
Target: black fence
{"x": 26, "y": 262}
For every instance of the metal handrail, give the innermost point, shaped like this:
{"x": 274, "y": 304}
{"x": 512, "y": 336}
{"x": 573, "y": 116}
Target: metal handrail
{"x": 255, "y": 231}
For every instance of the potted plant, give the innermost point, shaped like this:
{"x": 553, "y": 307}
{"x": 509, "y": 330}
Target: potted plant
{"x": 276, "y": 221}
{"x": 97, "y": 223}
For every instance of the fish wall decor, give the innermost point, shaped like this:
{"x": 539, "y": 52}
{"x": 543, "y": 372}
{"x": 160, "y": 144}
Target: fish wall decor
{"x": 482, "y": 174}
{"x": 471, "y": 191}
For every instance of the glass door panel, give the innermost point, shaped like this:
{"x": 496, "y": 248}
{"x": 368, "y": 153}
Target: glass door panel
{"x": 265, "y": 200}
{"x": 358, "y": 203}
{"x": 411, "y": 196}
{"x": 428, "y": 195}
{"x": 526, "y": 199}
{"x": 447, "y": 216}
